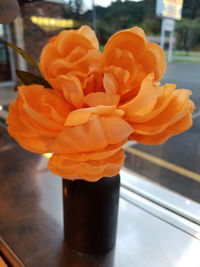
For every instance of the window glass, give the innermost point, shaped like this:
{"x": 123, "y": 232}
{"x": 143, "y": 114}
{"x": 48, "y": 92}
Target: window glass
{"x": 175, "y": 164}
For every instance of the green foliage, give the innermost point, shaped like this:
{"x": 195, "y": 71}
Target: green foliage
{"x": 188, "y": 33}
{"x": 73, "y": 9}
{"x": 191, "y": 9}
{"x": 122, "y": 15}
{"x": 151, "y": 26}
{"x": 24, "y": 76}
{"x": 29, "y": 78}
{"x": 119, "y": 15}
{"x": 23, "y": 53}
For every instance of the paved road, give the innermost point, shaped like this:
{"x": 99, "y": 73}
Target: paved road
{"x": 179, "y": 168}
{"x": 185, "y": 75}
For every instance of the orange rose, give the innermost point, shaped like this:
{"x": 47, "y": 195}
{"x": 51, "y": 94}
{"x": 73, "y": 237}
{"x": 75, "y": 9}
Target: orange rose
{"x": 70, "y": 62}
{"x": 90, "y": 145}
{"x": 36, "y": 117}
{"x": 132, "y": 69}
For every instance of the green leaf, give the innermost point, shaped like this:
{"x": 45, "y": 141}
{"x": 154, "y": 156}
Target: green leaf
{"x": 29, "y": 78}
{"x": 23, "y": 54}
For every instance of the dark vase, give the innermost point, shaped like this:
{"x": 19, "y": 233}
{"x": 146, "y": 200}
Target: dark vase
{"x": 90, "y": 214}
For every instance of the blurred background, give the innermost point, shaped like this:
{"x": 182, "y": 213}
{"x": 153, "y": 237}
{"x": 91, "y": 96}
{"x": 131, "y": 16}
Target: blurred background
{"x": 173, "y": 166}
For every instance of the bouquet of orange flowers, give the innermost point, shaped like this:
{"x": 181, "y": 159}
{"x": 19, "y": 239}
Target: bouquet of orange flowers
{"x": 85, "y": 105}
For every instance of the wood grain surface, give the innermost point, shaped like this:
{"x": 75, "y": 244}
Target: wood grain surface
{"x": 31, "y": 217}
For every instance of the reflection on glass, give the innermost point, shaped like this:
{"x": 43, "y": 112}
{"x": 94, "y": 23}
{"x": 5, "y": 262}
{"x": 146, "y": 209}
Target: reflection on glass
{"x": 52, "y": 24}
{"x": 5, "y": 74}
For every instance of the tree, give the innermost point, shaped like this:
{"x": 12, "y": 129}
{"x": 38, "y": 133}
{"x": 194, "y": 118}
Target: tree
{"x": 191, "y": 9}
{"x": 74, "y": 9}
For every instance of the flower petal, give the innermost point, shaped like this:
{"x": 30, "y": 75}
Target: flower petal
{"x": 175, "y": 110}
{"x": 110, "y": 83}
{"x": 144, "y": 101}
{"x": 116, "y": 80}
{"x": 68, "y": 40}
{"x": 178, "y": 127}
{"x": 82, "y": 138}
{"x": 139, "y": 31}
{"x": 95, "y": 155}
{"x": 24, "y": 135}
{"x": 164, "y": 96}
{"x": 90, "y": 35}
{"x": 72, "y": 90}
{"x": 153, "y": 60}
{"x": 90, "y": 170}
{"x": 101, "y": 98}
{"x": 94, "y": 135}
{"x": 116, "y": 129}
{"x": 128, "y": 40}
{"x": 81, "y": 116}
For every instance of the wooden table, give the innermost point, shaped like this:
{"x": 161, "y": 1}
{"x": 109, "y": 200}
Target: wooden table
{"x": 31, "y": 221}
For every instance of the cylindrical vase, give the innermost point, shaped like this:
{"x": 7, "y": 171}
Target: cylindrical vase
{"x": 90, "y": 214}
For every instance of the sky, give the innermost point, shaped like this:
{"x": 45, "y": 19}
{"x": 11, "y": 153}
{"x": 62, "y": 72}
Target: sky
{"x": 104, "y": 3}
{"x": 87, "y": 4}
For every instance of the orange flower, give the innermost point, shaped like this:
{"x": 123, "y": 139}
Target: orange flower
{"x": 158, "y": 112}
{"x": 132, "y": 69}
{"x": 90, "y": 145}
{"x": 36, "y": 117}
{"x": 70, "y": 62}
{"x": 97, "y": 103}
{"x": 127, "y": 59}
